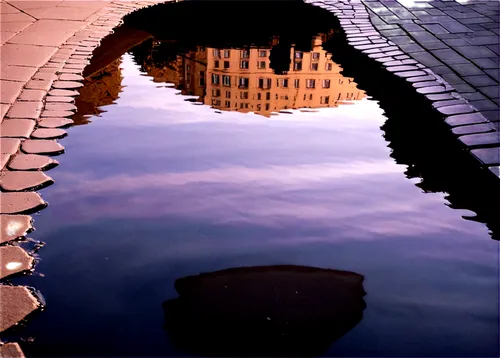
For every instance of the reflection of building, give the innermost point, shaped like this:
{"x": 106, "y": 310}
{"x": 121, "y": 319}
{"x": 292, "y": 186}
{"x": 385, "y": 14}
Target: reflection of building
{"x": 242, "y": 79}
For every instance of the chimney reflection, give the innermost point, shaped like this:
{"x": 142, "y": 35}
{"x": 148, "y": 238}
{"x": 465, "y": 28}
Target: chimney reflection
{"x": 254, "y": 79}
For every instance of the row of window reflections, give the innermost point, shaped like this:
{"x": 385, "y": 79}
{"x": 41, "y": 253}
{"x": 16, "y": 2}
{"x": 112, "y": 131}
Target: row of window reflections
{"x": 245, "y": 105}
{"x": 216, "y": 93}
{"x": 243, "y": 82}
{"x": 262, "y": 53}
{"x": 262, "y": 65}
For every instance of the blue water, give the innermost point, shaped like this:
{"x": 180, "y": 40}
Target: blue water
{"x": 156, "y": 188}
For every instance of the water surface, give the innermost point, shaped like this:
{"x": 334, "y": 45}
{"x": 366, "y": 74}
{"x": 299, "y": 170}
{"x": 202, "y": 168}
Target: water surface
{"x": 156, "y": 188}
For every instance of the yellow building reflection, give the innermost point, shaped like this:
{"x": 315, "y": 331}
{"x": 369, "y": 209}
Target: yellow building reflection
{"x": 242, "y": 79}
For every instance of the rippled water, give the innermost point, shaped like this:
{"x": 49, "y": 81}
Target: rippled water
{"x": 156, "y": 188}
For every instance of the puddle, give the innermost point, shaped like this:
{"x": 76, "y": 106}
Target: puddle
{"x": 163, "y": 181}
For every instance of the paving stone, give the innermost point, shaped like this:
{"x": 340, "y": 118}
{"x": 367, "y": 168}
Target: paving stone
{"x": 59, "y": 99}
{"x": 14, "y": 227}
{"x": 451, "y": 102}
{"x": 11, "y": 350}
{"x": 73, "y": 84}
{"x": 480, "y": 140}
{"x": 421, "y": 78}
{"x": 465, "y": 88}
{"x": 23, "y": 180}
{"x": 32, "y": 162}
{"x": 17, "y": 303}
{"x": 489, "y": 156}
{"x": 491, "y": 91}
{"x": 454, "y": 26}
{"x": 70, "y": 77}
{"x": 440, "y": 97}
{"x": 60, "y": 106}
{"x": 436, "y": 29}
{"x": 4, "y": 159}
{"x": 55, "y": 122}
{"x": 32, "y": 95}
{"x": 9, "y": 91}
{"x": 16, "y": 73}
{"x": 50, "y": 113}
{"x": 456, "y": 109}
{"x": 452, "y": 78}
{"x": 3, "y": 110}
{"x": 481, "y": 80}
{"x": 25, "y": 55}
{"x": 484, "y": 105}
{"x": 410, "y": 73}
{"x": 432, "y": 89}
{"x": 475, "y": 51}
{"x": 43, "y": 85}
{"x": 29, "y": 110}
{"x": 63, "y": 93}
{"x": 401, "y": 68}
{"x": 14, "y": 260}
{"x": 20, "y": 202}
{"x": 426, "y": 84}
{"x": 426, "y": 58}
{"x": 475, "y": 128}
{"x": 42, "y": 146}
{"x": 436, "y": 45}
{"x": 16, "y": 128}
{"x": 465, "y": 119}
{"x": 466, "y": 69}
{"x": 49, "y": 133}
{"x": 449, "y": 56}
{"x": 10, "y": 145}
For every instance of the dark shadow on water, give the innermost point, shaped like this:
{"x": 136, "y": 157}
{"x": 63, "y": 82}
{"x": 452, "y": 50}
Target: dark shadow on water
{"x": 264, "y": 311}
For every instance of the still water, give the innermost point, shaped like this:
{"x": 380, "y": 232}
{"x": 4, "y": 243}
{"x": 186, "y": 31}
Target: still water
{"x": 154, "y": 188}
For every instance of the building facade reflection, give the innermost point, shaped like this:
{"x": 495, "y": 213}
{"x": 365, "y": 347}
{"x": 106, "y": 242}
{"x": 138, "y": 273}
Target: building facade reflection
{"x": 243, "y": 79}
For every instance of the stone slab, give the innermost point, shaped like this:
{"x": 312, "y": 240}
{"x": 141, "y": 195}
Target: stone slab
{"x": 51, "y": 106}
{"x": 483, "y": 139}
{"x": 17, "y": 128}
{"x": 55, "y": 122}
{"x": 9, "y": 91}
{"x": 4, "y": 159}
{"x": 25, "y": 55}
{"x": 9, "y": 145}
{"x": 53, "y": 114}
{"x": 474, "y": 128}
{"x": 489, "y": 156}
{"x": 44, "y": 33}
{"x": 67, "y": 84}
{"x": 11, "y": 350}
{"x": 21, "y": 202}
{"x": 31, "y": 162}
{"x": 14, "y": 227}
{"x": 23, "y": 180}
{"x": 33, "y": 95}
{"x": 49, "y": 133}
{"x": 14, "y": 260}
{"x": 16, "y": 73}
{"x": 30, "y": 110}
{"x": 42, "y": 146}
{"x": 17, "y": 303}
{"x": 465, "y": 119}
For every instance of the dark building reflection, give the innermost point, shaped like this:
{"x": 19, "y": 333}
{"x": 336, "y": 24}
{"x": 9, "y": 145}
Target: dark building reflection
{"x": 264, "y": 311}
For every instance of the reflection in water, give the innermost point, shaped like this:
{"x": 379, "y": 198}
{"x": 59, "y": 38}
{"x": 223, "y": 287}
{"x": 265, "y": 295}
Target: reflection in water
{"x": 246, "y": 79}
{"x": 264, "y": 311}
{"x": 100, "y": 89}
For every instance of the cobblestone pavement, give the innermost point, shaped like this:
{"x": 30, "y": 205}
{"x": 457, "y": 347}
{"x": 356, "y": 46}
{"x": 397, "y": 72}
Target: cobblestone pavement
{"x": 448, "y": 51}
{"x": 458, "y": 41}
